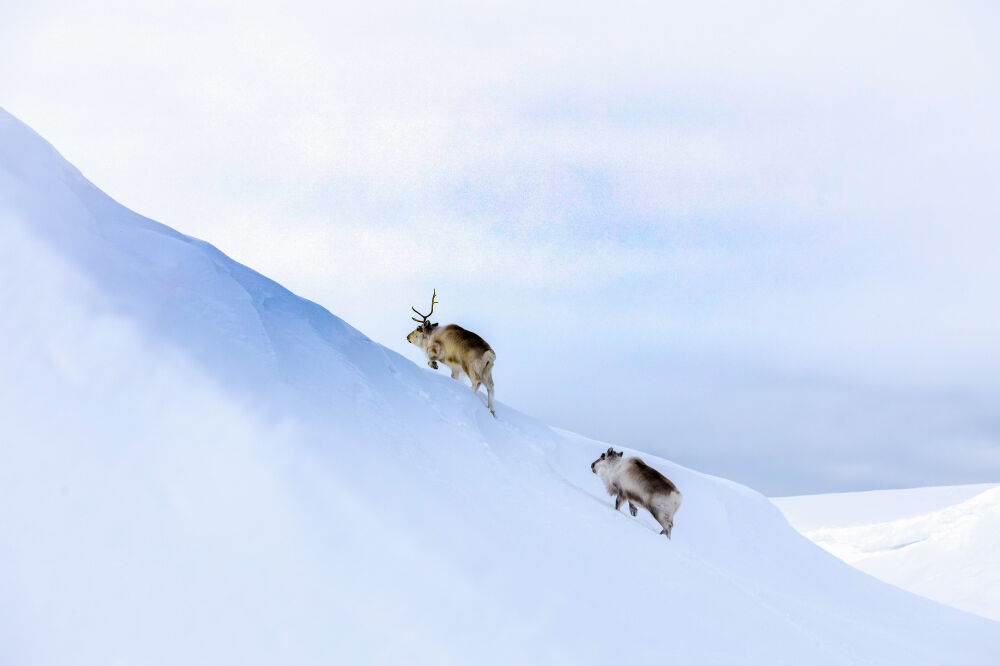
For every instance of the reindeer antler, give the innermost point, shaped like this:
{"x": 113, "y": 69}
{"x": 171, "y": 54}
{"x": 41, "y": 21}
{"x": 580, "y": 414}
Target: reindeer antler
{"x": 425, "y": 316}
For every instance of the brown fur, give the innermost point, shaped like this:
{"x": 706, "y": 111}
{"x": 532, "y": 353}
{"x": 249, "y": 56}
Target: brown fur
{"x": 650, "y": 480}
{"x": 461, "y": 351}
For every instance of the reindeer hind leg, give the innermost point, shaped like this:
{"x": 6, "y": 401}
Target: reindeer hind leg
{"x": 487, "y": 376}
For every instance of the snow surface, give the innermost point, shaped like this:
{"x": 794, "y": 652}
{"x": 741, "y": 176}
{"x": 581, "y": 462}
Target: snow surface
{"x": 808, "y": 512}
{"x": 198, "y": 467}
{"x": 942, "y": 543}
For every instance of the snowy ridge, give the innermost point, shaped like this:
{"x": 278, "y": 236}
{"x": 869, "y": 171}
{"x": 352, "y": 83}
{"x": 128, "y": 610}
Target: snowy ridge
{"x": 197, "y": 466}
{"x": 948, "y": 554}
{"x": 809, "y": 512}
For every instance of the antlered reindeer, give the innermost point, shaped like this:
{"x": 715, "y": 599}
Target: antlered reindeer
{"x": 459, "y": 349}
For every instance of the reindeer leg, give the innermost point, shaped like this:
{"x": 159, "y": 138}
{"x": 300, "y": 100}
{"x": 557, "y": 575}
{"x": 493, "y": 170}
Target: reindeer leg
{"x": 631, "y": 508}
{"x": 618, "y": 502}
{"x": 488, "y": 380}
{"x": 433, "y": 354}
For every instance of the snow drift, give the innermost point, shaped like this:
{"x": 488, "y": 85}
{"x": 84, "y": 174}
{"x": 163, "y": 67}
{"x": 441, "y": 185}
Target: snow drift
{"x": 942, "y": 543}
{"x": 196, "y": 466}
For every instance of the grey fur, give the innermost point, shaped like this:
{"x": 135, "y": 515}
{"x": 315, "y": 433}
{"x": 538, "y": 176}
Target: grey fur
{"x": 630, "y": 479}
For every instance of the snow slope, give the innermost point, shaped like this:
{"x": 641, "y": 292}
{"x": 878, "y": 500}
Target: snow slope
{"x": 808, "y": 512}
{"x": 945, "y": 546}
{"x": 198, "y": 467}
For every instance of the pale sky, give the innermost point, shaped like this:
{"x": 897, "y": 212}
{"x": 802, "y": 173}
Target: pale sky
{"x": 760, "y": 239}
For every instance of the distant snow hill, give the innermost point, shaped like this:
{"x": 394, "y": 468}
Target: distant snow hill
{"x": 199, "y": 467}
{"x": 942, "y": 543}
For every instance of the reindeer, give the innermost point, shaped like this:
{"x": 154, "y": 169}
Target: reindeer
{"x": 459, "y": 349}
{"x": 633, "y": 480}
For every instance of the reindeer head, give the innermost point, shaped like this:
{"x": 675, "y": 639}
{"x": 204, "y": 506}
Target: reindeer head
{"x": 421, "y": 334}
{"x": 608, "y": 459}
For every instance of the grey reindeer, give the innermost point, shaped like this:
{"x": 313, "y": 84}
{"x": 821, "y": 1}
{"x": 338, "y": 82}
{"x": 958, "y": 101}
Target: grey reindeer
{"x": 632, "y": 480}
